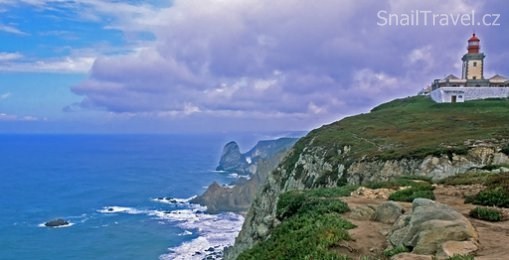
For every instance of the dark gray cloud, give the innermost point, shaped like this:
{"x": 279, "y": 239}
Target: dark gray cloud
{"x": 289, "y": 59}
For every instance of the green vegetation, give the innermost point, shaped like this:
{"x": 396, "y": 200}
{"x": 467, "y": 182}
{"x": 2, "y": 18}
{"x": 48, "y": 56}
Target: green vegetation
{"x": 413, "y": 127}
{"x": 496, "y": 192}
{"x": 489, "y": 214}
{"x": 408, "y": 195}
{"x": 491, "y": 196}
{"x": 419, "y": 187}
{"x": 311, "y": 226}
{"x": 467, "y": 179}
{"x": 396, "y": 250}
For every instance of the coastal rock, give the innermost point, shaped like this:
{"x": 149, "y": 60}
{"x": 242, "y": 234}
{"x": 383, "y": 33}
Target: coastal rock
{"x": 388, "y": 212}
{"x": 263, "y": 159}
{"x": 429, "y": 225}
{"x": 56, "y": 223}
{"x": 232, "y": 160}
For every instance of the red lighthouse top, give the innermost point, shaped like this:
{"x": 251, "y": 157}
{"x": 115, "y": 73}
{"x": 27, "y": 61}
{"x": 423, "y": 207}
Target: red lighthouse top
{"x": 473, "y": 44}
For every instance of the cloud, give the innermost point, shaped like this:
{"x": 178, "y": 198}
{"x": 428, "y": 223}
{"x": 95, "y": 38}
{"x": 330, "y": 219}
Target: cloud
{"x": 261, "y": 59}
{"x": 5, "y": 96}
{"x": 9, "y": 117}
{"x": 9, "y": 56}
{"x": 71, "y": 64}
{"x": 12, "y": 30}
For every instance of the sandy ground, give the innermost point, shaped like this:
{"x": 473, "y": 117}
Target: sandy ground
{"x": 369, "y": 238}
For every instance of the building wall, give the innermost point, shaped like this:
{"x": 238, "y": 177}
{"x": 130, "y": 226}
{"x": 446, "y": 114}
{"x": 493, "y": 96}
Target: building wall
{"x": 444, "y": 95}
{"x": 475, "y": 71}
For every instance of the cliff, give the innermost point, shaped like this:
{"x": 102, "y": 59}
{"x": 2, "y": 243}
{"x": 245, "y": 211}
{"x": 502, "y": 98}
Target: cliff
{"x": 257, "y": 162}
{"x": 232, "y": 160}
{"x": 406, "y": 137}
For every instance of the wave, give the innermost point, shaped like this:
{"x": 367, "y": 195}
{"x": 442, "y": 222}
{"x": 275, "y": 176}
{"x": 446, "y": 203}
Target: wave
{"x": 238, "y": 176}
{"x": 119, "y": 209}
{"x": 170, "y": 200}
{"x": 215, "y": 232}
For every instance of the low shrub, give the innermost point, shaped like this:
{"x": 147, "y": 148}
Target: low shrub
{"x": 491, "y": 196}
{"x": 303, "y": 237}
{"x": 467, "y": 179}
{"x": 316, "y": 201}
{"x": 408, "y": 195}
{"x": 488, "y": 214}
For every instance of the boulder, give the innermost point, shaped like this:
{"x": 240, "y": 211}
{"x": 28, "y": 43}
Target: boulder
{"x": 429, "y": 226}
{"x": 362, "y": 213}
{"x": 388, "y": 212}
{"x": 56, "y": 223}
{"x": 452, "y": 248}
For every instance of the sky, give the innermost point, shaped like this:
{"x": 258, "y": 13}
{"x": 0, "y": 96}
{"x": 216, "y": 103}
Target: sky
{"x": 204, "y": 66}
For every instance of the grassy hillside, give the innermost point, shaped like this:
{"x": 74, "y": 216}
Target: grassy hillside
{"x": 413, "y": 127}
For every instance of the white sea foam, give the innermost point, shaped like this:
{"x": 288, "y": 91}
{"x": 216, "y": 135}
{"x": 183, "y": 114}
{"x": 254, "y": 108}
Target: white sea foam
{"x": 238, "y": 176}
{"x": 118, "y": 209}
{"x": 169, "y": 200}
{"x": 215, "y": 233}
{"x": 186, "y": 233}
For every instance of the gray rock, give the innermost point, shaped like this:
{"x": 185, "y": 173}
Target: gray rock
{"x": 388, "y": 212}
{"x": 362, "y": 213}
{"x": 429, "y": 226}
{"x": 57, "y": 223}
{"x": 263, "y": 159}
{"x": 232, "y": 160}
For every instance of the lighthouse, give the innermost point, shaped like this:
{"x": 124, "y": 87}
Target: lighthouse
{"x": 472, "y": 85}
{"x": 473, "y": 61}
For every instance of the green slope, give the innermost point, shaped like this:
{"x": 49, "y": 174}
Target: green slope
{"x": 412, "y": 127}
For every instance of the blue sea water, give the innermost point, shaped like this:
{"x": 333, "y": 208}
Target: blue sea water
{"x": 107, "y": 186}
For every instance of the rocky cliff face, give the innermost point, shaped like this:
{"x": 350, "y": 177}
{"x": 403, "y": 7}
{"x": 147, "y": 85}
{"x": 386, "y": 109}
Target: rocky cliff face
{"x": 404, "y": 137}
{"x": 312, "y": 169}
{"x": 258, "y": 162}
{"x": 232, "y": 160}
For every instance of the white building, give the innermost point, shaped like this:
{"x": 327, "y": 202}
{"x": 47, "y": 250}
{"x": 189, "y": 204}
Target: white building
{"x": 472, "y": 85}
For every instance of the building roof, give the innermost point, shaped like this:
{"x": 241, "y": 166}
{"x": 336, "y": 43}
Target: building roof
{"x": 499, "y": 77}
{"x": 473, "y": 38}
{"x": 451, "y": 76}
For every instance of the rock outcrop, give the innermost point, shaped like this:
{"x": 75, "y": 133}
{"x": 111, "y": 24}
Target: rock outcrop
{"x": 232, "y": 160}
{"x": 429, "y": 226}
{"x": 258, "y": 163}
{"x": 388, "y": 212}
{"x": 57, "y": 223}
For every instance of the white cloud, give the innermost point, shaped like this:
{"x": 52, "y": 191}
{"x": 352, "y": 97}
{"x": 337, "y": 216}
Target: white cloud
{"x": 5, "y": 96}
{"x": 11, "y": 29}
{"x": 10, "y": 117}
{"x": 9, "y": 56}
{"x": 58, "y": 65}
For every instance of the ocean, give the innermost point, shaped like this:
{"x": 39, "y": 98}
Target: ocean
{"x": 126, "y": 196}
